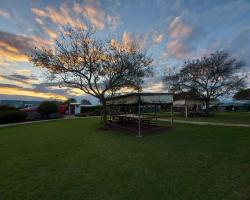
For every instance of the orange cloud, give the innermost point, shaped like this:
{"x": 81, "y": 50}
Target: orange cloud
{"x": 176, "y": 48}
{"x": 63, "y": 16}
{"x": 11, "y": 53}
{"x": 179, "y": 29}
{"x": 38, "y": 41}
{"x": 127, "y": 40}
{"x": 30, "y": 93}
{"x": 19, "y": 78}
{"x": 13, "y": 48}
{"x": 71, "y": 15}
{"x": 180, "y": 34}
{"x": 157, "y": 38}
{"x": 52, "y": 34}
{"x": 96, "y": 16}
{"x": 39, "y": 12}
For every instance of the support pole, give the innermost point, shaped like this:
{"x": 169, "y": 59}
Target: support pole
{"x": 172, "y": 112}
{"x": 155, "y": 112}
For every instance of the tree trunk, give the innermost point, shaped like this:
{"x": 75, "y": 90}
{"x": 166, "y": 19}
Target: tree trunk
{"x": 104, "y": 112}
{"x": 207, "y": 101}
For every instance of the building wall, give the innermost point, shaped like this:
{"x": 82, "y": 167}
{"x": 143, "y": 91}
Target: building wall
{"x": 77, "y": 109}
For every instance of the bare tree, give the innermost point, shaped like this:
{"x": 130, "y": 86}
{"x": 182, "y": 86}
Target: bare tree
{"x": 208, "y": 77}
{"x": 97, "y": 67}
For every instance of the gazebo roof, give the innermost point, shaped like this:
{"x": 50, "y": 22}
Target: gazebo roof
{"x": 143, "y": 98}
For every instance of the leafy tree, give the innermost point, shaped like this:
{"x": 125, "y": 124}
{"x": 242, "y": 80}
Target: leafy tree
{"x": 48, "y": 107}
{"x": 9, "y": 116}
{"x": 243, "y": 94}
{"x": 86, "y": 102}
{"x": 97, "y": 67}
{"x": 208, "y": 77}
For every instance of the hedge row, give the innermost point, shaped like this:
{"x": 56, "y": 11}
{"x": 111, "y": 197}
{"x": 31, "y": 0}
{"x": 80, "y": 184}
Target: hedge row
{"x": 12, "y": 116}
{"x": 7, "y": 108}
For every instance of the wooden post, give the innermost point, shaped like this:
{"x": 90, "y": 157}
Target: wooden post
{"x": 172, "y": 111}
{"x": 139, "y": 119}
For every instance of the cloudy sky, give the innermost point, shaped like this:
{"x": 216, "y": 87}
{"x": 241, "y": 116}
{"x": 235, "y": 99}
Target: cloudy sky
{"x": 172, "y": 31}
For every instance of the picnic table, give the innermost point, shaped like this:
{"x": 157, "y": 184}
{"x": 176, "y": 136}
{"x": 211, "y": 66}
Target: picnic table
{"x": 134, "y": 118}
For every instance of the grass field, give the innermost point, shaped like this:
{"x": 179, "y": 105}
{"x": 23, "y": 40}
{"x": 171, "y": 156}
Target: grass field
{"x": 74, "y": 159}
{"x": 223, "y": 117}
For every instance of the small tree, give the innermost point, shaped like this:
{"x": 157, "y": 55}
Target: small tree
{"x": 46, "y": 108}
{"x": 97, "y": 67}
{"x": 243, "y": 94}
{"x": 209, "y": 77}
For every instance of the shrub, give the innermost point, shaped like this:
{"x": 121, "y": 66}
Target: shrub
{"x": 47, "y": 108}
{"x": 91, "y": 109}
{"x": 7, "y": 108}
{"x": 97, "y": 112}
{"x": 12, "y": 116}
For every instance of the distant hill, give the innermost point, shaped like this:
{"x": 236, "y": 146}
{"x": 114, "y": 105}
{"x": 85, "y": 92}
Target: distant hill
{"x": 19, "y": 103}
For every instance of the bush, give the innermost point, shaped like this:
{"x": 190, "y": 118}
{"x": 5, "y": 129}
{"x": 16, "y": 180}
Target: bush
{"x": 12, "y": 116}
{"x": 7, "y": 108}
{"x": 231, "y": 108}
{"x": 47, "y": 108}
{"x": 91, "y": 109}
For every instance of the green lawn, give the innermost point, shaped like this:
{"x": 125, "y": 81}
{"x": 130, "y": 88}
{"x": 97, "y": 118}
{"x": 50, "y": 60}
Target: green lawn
{"x": 73, "y": 159}
{"x": 223, "y": 117}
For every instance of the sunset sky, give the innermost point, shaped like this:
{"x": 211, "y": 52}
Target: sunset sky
{"x": 172, "y": 31}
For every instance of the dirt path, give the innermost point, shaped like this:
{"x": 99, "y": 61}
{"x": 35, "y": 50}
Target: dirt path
{"x": 205, "y": 123}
